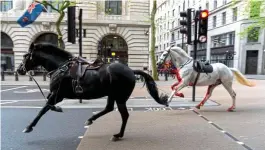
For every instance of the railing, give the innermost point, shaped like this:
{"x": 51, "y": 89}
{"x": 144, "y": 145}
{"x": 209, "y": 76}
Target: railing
{"x": 6, "y": 5}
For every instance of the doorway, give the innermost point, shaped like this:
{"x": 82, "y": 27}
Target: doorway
{"x": 252, "y": 62}
{"x": 113, "y": 48}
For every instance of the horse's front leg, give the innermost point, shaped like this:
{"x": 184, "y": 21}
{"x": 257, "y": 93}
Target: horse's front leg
{"x": 49, "y": 105}
{"x": 173, "y": 87}
{"x": 180, "y": 86}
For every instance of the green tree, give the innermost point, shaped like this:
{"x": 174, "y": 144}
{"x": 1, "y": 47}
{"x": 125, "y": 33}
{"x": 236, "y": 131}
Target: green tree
{"x": 252, "y": 10}
{"x": 62, "y": 6}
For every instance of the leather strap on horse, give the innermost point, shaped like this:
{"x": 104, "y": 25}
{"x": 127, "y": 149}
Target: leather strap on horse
{"x": 196, "y": 79}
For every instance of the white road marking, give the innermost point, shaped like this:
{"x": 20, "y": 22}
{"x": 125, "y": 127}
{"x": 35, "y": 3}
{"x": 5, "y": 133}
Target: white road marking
{"x": 241, "y": 143}
{"x": 13, "y": 88}
{"x": 24, "y": 100}
{"x": 86, "y": 127}
{"x": 80, "y": 137}
{"x": 8, "y": 102}
{"x": 32, "y": 91}
{"x": 20, "y": 107}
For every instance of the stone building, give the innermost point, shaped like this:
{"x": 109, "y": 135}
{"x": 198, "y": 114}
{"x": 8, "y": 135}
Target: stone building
{"x": 123, "y": 30}
{"x": 224, "y": 44}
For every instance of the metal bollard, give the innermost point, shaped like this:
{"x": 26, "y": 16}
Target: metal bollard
{"x": 16, "y": 76}
{"x": 44, "y": 76}
{"x": 166, "y": 76}
{"x": 2, "y": 76}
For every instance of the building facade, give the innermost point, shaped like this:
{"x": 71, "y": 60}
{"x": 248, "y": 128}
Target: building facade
{"x": 108, "y": 26}
{"x": 224, "y": 43}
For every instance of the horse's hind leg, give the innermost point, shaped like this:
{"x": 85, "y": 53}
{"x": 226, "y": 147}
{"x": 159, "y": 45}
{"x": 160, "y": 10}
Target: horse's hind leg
{"x": 124, "y": 115}
{"x": 109, "y": 107}
{"x": 208, "y": 94}
{"x": 228, "y": 87}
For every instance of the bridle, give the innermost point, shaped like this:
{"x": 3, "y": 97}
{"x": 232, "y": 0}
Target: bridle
{"x": 180, "y": 66}
{"x": 29, "y": 56}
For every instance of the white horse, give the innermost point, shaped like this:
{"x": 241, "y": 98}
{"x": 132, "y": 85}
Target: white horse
{"x": 218, "y": 73}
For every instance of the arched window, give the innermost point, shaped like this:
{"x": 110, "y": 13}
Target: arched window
{"x": 49, "y": 38}
{"x": 7, "y": 54}
{"x": 113, "y": 44}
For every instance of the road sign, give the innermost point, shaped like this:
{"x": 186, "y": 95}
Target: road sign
{"x": 202, "y": 38}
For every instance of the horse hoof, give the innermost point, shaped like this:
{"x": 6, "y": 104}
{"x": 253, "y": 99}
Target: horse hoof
{"x": 116, "y": 137}
{"x": 27, "y": 129}
{"x": 58, "y": 109}
{"x": 88, "y": 122}
{"x": 230, "y": 109}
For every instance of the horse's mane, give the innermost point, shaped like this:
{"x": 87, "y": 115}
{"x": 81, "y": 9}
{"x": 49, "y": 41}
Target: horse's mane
{"x": 180, "y": 51}
{"x": 51, "y": 49}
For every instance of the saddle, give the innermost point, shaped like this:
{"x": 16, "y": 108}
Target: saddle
{"x": 203, "y": 67}
{"x": 79, "y": 67}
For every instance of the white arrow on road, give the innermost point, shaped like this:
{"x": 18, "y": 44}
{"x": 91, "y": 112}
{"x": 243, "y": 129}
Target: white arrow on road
{"x": 32, "y": 91}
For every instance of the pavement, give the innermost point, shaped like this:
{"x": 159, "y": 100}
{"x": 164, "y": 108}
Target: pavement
{"x": 179, "y": 126}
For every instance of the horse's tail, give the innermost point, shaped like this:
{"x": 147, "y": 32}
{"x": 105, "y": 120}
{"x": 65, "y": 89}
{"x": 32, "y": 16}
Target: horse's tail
{"x": 152, "y": 87}
{"x": 241, "y": 78}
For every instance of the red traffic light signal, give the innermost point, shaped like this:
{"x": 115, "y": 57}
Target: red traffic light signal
{"x": 204, "y": 14}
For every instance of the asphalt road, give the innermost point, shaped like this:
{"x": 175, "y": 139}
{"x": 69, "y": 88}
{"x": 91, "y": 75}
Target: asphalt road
{"x": 54, "y": 131}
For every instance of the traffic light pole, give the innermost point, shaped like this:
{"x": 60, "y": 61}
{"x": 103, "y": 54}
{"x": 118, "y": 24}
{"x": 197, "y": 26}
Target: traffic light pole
{"x": 80, "y": 36}
{"x": 195, "y": 49}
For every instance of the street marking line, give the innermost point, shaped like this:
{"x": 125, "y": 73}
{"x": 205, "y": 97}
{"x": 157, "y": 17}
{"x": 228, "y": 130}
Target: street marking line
{"x": 241, "y": 143}
{"x": 26, "y": 107}
{"x": 220, "y": 129}
{"x": 80, "y": 137}
{"x": 86, "y": 127}
{"x": 9, "y": 102}
{"x": 13, "y": 88}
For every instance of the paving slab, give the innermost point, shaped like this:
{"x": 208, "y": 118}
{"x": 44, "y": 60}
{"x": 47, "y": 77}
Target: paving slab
{"x": 170, "y": 130}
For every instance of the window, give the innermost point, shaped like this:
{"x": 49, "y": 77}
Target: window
{"x": 255, "y": 8}
{"x": 84, "y": 32}
{"x": 178, "y": 34}
{"x": 215, "y": 4}
{"x": 6, "y": 5}
{"x": 214, "y": 21}
{"x": 179, "y": 9}
{"x": 224, "y": 2}
{"x": 234, "y": 14}
{"x": 224, "y": 18}
{"x": 207, "y": 5}
{"x": 253, "y": 35}
{"x": 184, "y": 6}
{"x": 113, "y": 7}
{"x": 223, "y": 39}
{"x": 173, "y": 12}
{"x": 173, "y": 24}
{"x": 56, "y": 4}
{"x": 178, "y": 22}
{"x": 232, "y": 38}
{"x": 172, "y": 37}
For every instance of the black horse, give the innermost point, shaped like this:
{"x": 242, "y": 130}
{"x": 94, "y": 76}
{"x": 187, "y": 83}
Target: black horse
{"x": 114, "y": 80}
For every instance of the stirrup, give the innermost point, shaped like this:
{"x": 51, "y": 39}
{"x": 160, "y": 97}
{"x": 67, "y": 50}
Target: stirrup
{"x": 78, "y": 89}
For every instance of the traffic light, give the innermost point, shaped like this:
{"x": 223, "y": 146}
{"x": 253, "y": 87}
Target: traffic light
{"x": 203, "y": 26}
{"x": 71, "y": 24}
{"x": 186, "y": 22}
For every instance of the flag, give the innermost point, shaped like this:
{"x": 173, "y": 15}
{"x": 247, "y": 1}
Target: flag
{"x": 33, "y": 12}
